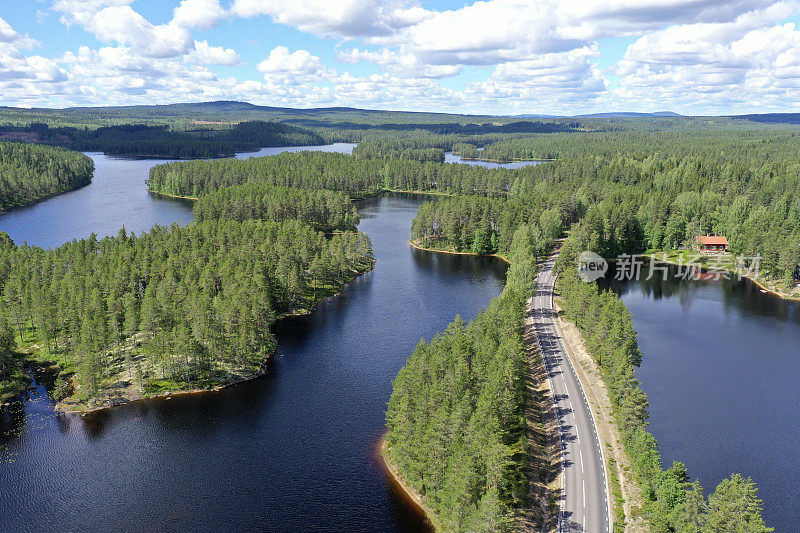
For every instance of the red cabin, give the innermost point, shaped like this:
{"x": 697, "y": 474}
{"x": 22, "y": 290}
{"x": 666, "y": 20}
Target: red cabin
{"x": 712, "y": 243}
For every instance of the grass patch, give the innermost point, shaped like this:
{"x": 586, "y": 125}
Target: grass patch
{"x": 618, "y": 509}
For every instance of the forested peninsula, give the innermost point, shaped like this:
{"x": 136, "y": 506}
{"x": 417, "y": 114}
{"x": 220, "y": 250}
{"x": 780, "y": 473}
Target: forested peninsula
{"x": 29, "y": 173}
{"x": 177, "y": 308}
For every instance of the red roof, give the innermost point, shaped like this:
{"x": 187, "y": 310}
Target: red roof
{"x": 713, "y": 240}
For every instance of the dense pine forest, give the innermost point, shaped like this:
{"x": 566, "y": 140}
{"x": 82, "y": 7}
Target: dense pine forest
{"x": 191, "y": 307}
{"x": 178, "y": 307}
{"x": 456, "y": 420}
{"x": 140, "y": 140}
{"x": 323, "y": 210}
{"x": 662, "y": 189}
{"x": 29, "y": 173}
{"x": 323, "y": 170}
{"x": 619, "y": 203}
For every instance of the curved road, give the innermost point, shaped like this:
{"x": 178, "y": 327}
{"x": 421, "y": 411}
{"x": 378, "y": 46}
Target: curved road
{"x": 584, "y": 505}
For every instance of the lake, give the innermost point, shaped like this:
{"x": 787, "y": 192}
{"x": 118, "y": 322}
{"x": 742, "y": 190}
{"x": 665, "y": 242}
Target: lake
{"x": 721, "y": 372}
{"x": 116, "y": 197}
{"x": 294, "y": 450}
{"x": 449, "y": 157}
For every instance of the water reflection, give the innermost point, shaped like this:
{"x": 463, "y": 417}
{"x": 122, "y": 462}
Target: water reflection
{"x": 293, "y": 450}
{"x": 720, "y": 370}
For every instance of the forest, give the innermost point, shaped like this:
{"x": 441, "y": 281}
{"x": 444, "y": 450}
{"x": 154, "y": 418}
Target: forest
{"x": 660, "y": 189}
{"x": 616, "y": 202}
{"x": 456, "y": 418}
{"x": 29, "y": 173}
{"x": 324, "y": 170}
{"x": 140, "y": 140}
{"x": 190, "y": 307}
{"x": 177, "y": 307}
{"x": 323, "y": 210}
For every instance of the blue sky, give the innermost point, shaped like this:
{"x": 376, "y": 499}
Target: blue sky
{"x": 492, "y": 56}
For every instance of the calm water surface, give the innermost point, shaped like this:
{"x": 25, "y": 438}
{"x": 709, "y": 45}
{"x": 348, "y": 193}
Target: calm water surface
{"x": 116, "y": 197}
{"x": 449, "y": 157}
{"x": 342, "y": 148}
{"x": 721, "y": 371}
{"x": 292, "y": 451}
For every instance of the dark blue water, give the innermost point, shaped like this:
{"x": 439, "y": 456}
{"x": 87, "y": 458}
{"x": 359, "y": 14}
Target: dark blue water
{"x": 294, "y": 450}
{"x": 721, "y": 371}
{"x": 116, "y": 197}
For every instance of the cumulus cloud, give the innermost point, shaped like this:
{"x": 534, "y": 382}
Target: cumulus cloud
{"x": 559, "y": 82}
{"x": 16, "y": 68}
{"x": 299, "y": 64}
{"x": 519, "y": 55}
{"x": 713, "y": 66}
{"x": 198, "y": 14}
{"x": 336, "y": 18}
{"x": 11, "y": 36}
{"x": 398, "y": 62}
{"x": 119, "y": 23}
{"x": 204, "y": 54}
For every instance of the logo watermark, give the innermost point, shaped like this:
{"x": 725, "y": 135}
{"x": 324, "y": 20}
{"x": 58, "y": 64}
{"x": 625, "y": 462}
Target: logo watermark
{"x": 629, "y": 267}
{"x": 591, "y": 266}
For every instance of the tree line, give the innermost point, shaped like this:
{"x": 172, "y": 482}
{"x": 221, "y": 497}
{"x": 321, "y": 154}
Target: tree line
{"x": 611, "y": 198}
{"x": 323, "y": 210}
{"x": 483, "y": 225}
{"x": 29, "y": 173}
{"x": 323, "y": 170}
{"x": 670, "y": 186}
{"x": 140, "y": 140}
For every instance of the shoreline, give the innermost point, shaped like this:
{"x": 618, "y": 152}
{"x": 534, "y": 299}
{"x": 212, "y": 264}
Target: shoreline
{"x": 499, "y": 162}
{"x": 353, "y": 198}
{"x": 397, "y": 479}
{"x": 418, "y": 247}
{"x": 61, "y": 407}
{"x": 760, "y": 283}
{"x": 13, "y": 208}
{"x": 172, "y": 195}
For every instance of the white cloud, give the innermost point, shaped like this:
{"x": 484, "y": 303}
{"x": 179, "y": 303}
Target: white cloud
{"x": 537, "y": 55}
{"x": 16, "y": 67}
{"x": 198, "y": 14}
{"x": 336, "y": 18}
{"x": 399, "y": 63}
{"x": 9, "y": 35}
{"x": 715, "y": 67}
{"x": 297, "y": 64}
{"x": 113, "y": 21}
{"x": 204, "y": 54}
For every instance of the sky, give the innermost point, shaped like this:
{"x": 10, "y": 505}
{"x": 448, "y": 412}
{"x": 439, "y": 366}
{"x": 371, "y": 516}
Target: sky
{"x": 563, "y": 57}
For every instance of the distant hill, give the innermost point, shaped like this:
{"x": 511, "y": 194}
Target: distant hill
{"x": 535, "y": 115}
{"x": 772, "y": 118}
{"x": 629, "y": 114}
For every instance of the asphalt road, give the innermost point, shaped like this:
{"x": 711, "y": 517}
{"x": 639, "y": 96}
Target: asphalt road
{"x": 584, "y": 505}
